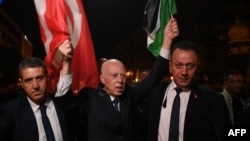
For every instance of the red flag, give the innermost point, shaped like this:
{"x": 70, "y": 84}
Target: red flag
{"x": 65, "y": 19}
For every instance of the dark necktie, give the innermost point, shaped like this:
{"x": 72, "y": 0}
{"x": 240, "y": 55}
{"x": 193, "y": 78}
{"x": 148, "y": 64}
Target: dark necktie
{"x": 46, "y": 124}
{"x": 115, "y": 103}
{"x": 174, "y": 122}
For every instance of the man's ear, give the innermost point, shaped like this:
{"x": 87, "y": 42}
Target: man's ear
{"x": 102, "y": 78}
{"x": 20, "y": 82}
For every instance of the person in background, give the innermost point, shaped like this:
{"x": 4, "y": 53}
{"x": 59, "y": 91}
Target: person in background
{"x": 233, "y": 92}
{"x": 35, "y": 115}
{"x": 247, "y": 95}
{"x": 202, "y": 78}
{"x": 244, "y": 115}
{"x": 183, "y": 110}
{"x": 144, "y": 74}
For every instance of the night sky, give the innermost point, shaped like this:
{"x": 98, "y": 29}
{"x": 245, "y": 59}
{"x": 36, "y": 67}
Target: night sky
{"x": 116, "y": 27}
{"x": 111, "y": 21}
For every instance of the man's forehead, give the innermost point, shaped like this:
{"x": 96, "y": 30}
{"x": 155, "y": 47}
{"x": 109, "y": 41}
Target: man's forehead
{"x": 187, "y": 57}
{"x": 32, "y": 71}
{"x": 185, "y": 61}
{"x": 112, "y": 65}
{"x": 112, "y": 62}
{"x": 179, "y": 52}
{"x": 116, "y": 69}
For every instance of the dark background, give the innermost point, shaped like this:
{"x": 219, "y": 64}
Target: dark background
{"x": 111, "y": 21}
{"x": 116, "y": 28}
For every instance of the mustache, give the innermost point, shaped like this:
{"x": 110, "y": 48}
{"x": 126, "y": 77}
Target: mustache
{"x": 36, "y": 90}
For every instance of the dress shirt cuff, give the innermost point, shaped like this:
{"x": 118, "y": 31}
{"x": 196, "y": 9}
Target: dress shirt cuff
{"x": 165, "y": 53}
{"x": 63, "y": 85}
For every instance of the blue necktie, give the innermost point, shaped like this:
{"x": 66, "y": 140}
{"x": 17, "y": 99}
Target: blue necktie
{"x": 174, "y": 122}
{"x": 46, "y": 124}
{"x": 115, "y": 103}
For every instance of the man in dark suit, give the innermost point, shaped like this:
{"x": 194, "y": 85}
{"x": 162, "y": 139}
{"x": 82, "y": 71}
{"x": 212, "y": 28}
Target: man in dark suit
{"x": 233, "y": 93}
{"x": 201, "y": 113}
{"x": 23, "y": 119}
{"x": 106, "y": 120}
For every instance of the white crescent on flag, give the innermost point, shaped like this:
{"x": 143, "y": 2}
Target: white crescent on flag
{"x": 65, "y": 19}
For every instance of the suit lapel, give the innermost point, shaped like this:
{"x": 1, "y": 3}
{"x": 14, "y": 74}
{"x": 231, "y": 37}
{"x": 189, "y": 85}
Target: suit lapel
{"x": 124, "y": 109}
{"x": 191, "y": 111}
{"x": 105, "y": 99}
{"x": 27, "y": 118}
{"x": 159, "y": 99}
{"x": 61, "y": 118}
{"x": 155, "y": 111}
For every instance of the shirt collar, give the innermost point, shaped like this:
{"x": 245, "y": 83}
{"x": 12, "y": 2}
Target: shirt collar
{"x": 172, "y": 85}
{"x": 35, "y": 106}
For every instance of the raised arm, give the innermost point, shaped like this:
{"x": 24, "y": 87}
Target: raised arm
{"x": 171, "y": 31}
{"x": 65, "y": 80}
{"x": 66, "y": 51}
{"x": 161, "y": 65}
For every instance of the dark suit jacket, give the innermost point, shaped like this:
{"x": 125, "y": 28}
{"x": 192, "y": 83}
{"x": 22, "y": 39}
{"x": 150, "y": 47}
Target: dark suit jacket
{"x": 18, "y": 123}
{"x": 206, "y": 114}
{"x": 101, "y": 121}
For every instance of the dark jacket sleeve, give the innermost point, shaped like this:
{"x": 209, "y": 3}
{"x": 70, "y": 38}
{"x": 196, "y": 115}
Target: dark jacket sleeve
{"x": 70, "y": 105}
{"x": 157, "y": 72}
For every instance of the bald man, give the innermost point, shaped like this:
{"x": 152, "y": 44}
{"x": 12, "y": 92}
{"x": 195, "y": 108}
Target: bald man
{"x": 108, "y": 112}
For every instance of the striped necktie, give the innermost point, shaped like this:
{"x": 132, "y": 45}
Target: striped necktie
{"x": 115, "y": 103}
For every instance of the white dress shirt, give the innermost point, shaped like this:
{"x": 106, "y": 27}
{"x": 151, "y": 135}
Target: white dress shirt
{"x": 164, "y": 123}
{"x": 112, "y": 99}
{"x": 165, "y": 53}
{"x": 62, "y": 87}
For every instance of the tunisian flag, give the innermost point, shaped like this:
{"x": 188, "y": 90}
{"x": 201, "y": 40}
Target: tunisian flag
{"x": 65, "y": 19}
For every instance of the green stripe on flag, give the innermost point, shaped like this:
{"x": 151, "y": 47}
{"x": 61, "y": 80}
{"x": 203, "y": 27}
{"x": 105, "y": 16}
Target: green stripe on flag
{"x": 167, "y": 7}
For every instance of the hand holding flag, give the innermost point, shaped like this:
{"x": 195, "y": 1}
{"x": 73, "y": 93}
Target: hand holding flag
{"x": 171, "y": 31}
{"x": 155, "y": 38}
{"x": 66, "y": 49}
{"x": 62, "y": 21}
